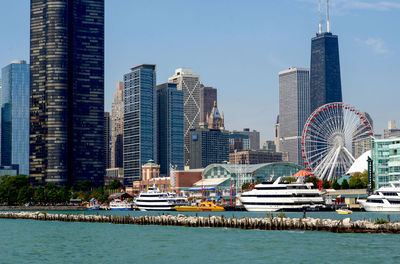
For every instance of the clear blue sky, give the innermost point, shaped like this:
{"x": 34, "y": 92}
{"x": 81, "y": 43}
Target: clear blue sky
{"x": 239, "y": 47}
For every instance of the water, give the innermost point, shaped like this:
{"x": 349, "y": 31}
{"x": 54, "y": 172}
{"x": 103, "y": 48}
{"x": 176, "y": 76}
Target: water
{"x": 28, "y": 241}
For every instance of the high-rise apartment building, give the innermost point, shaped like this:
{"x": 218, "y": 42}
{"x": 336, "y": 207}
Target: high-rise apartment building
{"x": 294, "y": 110}
{"x": 14, "y": 95}
{"x": 189, "y": 83}
{"x": 107, "y": 139}
{"x": 140, "y": 120}
{"x": 208, "y": 95}
{"x": 117, "y": 127}
{"x": 325, "y": 83}
{"x": 386, "y": 160}
{"x": 170, "y": 127}
{"x": 67, "y": 91}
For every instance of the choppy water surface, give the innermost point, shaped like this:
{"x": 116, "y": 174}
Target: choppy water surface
{"x": 27, "y": 241}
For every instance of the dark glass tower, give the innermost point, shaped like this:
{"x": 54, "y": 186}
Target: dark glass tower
{"x": 170, "y": 127}
{"x": 325, "y": 84}
{"x": 140, "y": 120}
{"x": 67, "y": 91}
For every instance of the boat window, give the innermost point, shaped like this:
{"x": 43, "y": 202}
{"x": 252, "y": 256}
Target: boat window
{"x": 394, "y": 201}
{"x": 374, "y": 201}
{"x": 389, "y": 193}
{"x": 270, "y": 188}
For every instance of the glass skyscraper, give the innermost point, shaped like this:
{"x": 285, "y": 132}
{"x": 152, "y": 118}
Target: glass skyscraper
{"x": 294, "y": 109}
{"x": 15, "y": 116}
{"x": 325, "y": 83}
{"x": 67, "y": 91}
{"x": 140, "y": 120}
{"x": 170, "y": 127}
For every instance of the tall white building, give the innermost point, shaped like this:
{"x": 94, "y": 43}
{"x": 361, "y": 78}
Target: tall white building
{"x": 117, "y": 127}
{"x": 294, "y": 109}
{"x": 189, "y": 83}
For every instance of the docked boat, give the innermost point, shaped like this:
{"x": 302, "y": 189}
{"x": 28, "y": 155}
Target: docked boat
{"x": 93, "y": 204}
{"x": 120, "y": 205}
{"x": 155, "y": 200}
{"x": 278, "y": 196}
{"x": 203, "y": 207}
{"x": 344, "y": 211}
{"x": 385, "y": 199}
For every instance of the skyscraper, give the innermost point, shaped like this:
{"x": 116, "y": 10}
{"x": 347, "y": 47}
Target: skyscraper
{"x": 209, "y": 144}
{"x": 107, "y": 139}
{"x": 208, "y": 95}
{"x": 15, "y": 116}
{"x": 140, "y": 120}
{"x": 294, "y": 109}
{"x": 170, "y": 127}
{"x": 189, "y": 83}
{"x": 67, "y": 91}
{"x": 325, "y": 83}
{"x": 117, "y": 127}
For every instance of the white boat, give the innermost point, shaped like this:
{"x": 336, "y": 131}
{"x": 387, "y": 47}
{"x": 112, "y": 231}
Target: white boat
{"x": 277, "y": 196}
{"x": 119, "y": 205}
{"x": 385, "y": 199}
{"x": 155, "y": 200}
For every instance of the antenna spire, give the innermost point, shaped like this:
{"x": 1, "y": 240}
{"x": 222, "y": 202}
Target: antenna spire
{"x": 320, "y": 23}
{"x": 328, "y": 27}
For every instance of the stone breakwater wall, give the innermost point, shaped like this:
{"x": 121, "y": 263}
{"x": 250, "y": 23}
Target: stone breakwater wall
{"x": 277, "y": 223}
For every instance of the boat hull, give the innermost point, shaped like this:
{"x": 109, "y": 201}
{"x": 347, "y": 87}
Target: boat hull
{"x": 378, "y": 208}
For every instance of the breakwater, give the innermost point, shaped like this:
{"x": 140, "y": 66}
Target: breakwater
{"x": 267, "y": 223}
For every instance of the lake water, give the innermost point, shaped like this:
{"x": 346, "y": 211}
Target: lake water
{"x": 28, "y": 241}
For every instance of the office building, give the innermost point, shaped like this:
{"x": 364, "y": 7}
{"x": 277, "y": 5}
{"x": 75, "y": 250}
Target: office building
{"x": 67, "y": 91}
{"x": 386, "y": 160}
{"x": 269, "y": 145}
{"x": 140, "y": 120}
{"x": 325, "y": 82}
{"x": 294, "y": 110}
{"x": 107, "y": 139}
{"x": 257, "y": 157}
{"x": 15, "y": 116}
{"x": 189, "y": 83}
{"x": 170, "y": 127}
{"x": 392, "y": 130}
{"x": 208, "y": 95}
{"x": 117, "y": 127}
{"x": 238, "y": 142}
{"x": 254, "y": 137}
{"x": 209, "y": 144}
{"x": 361, "y": 139}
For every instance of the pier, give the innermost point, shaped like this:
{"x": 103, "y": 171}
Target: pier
{"x": 267, "y": 223}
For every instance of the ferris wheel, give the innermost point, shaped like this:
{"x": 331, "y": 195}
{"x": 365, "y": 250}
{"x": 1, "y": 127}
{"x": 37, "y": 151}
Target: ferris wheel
{"x": 329, "y": 136}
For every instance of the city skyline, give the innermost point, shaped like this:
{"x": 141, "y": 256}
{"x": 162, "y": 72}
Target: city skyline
{"x": 369, "y": 51}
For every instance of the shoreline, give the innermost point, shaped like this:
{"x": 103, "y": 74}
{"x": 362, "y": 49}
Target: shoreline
{"x": 271, "y": 223}
{"x": 42, "y": 208}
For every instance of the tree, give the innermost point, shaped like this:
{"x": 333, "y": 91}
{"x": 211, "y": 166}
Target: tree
{"x": 345, "y": 184}
{"x": 39, "y": 196}
{"x": 289, "y": 179}
{"x": 83, "y": 185}
{"x": 335, "y": 185}
{"x": 64, "y": 194}
{"x": 325, "y": 184}
{"x": 314, "y": 180}
{"x": 115, "y": 184}
{"x": 25, "y": 194}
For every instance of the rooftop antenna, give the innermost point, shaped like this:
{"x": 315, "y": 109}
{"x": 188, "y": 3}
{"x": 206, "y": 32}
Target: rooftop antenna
{"x": 320, "y": 23}
{"x": 328, "y": 27}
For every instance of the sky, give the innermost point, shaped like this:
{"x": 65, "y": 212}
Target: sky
{"x": 239, "y": 47}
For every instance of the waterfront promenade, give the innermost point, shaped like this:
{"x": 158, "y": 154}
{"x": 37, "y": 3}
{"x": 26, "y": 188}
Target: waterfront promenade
{"x": 267, "y": 223}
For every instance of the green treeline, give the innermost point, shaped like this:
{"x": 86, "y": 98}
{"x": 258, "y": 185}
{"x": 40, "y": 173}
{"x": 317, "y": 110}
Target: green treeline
{"x": 17, "y": 190}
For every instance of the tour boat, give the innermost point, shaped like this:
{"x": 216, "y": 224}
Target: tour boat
{"x": 155, "y": 200}
{"x": 119, "y": 205}
{"x": 203, "y": 207}
{"x": 277, "y": 196}
{"x": 93, "y": 205}
{"x": 385, "y": 199}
